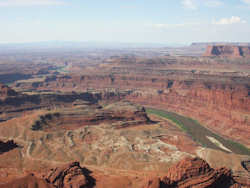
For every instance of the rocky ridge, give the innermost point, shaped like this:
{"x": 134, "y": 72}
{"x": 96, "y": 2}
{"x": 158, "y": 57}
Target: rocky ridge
{"x": 217, "y": 104}
{"x": 228, "y": 51}
{"x": 190, "y": 172}
{"x": 197, "y": 173}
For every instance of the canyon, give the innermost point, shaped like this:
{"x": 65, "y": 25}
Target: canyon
{"x": 220, "y": 101}
{"x": 126, "y": 120}
{"x": 189, "y": 172}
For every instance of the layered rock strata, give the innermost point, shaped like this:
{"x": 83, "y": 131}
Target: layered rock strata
{"x": 228, "y": 51}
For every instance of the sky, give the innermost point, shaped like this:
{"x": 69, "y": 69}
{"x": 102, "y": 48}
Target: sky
{"x": 126, "y": 21}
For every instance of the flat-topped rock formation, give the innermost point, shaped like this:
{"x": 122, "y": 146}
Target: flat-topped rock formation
{"x": 227, "y": 51}
{"x": 13, "y": 103}
{"x": 204, "y": 44}
{"x": 121, "y": 114}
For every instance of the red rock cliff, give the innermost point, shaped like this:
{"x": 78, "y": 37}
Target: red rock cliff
{"x": 222, "y": 105}
{"x": 228, "y": 51}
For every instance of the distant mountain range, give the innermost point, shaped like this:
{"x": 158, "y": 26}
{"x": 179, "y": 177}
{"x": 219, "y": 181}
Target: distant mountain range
{"x": 88, "y": 44}
{"x": 204, "y": 44}
{"x": 73, "y": 45}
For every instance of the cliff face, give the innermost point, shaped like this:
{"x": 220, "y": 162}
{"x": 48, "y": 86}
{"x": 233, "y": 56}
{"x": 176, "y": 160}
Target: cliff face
{"x": 228, "y": 51}
{"x": 86, "y": 115}
{"x": 15, "y": 102}
{"x": 223, "y": 108}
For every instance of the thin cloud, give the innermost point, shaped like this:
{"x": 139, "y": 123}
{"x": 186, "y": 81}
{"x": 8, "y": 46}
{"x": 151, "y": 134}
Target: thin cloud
{"x": 213, "y": 3}
{"x": 195, "y": 4}
{"x": 167, "y": 26}
{"x": 246, "y": 1}
{"x": 14, "y": 3}
{"x": 229, "y": 21}
{"x": 189, "y": 4}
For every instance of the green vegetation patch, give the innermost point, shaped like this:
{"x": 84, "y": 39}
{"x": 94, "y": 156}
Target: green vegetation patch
{"x": 199, "y": 133}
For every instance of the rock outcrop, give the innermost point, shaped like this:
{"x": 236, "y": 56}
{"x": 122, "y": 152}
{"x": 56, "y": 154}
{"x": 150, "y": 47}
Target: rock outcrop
{"x": 70, "y": 176}
{"x": 190, "y": 172}
{"x": 228, "y": 51}
{"x": 195, "y": 172}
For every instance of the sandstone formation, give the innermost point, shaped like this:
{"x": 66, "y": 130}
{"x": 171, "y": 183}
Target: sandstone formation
{"x": 123, "y": 114}
{"x": 197, "y": 173}
{"x": 189, "y": 86}
{"x": 70, "y": 176}
{"x": 218, "y": 102}
{"x": 228, "y": 51}
{"x": 190, "y": 172}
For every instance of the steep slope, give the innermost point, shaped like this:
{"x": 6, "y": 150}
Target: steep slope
{"x": 221, "y": 103}
{"x": 228, "y": 51}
